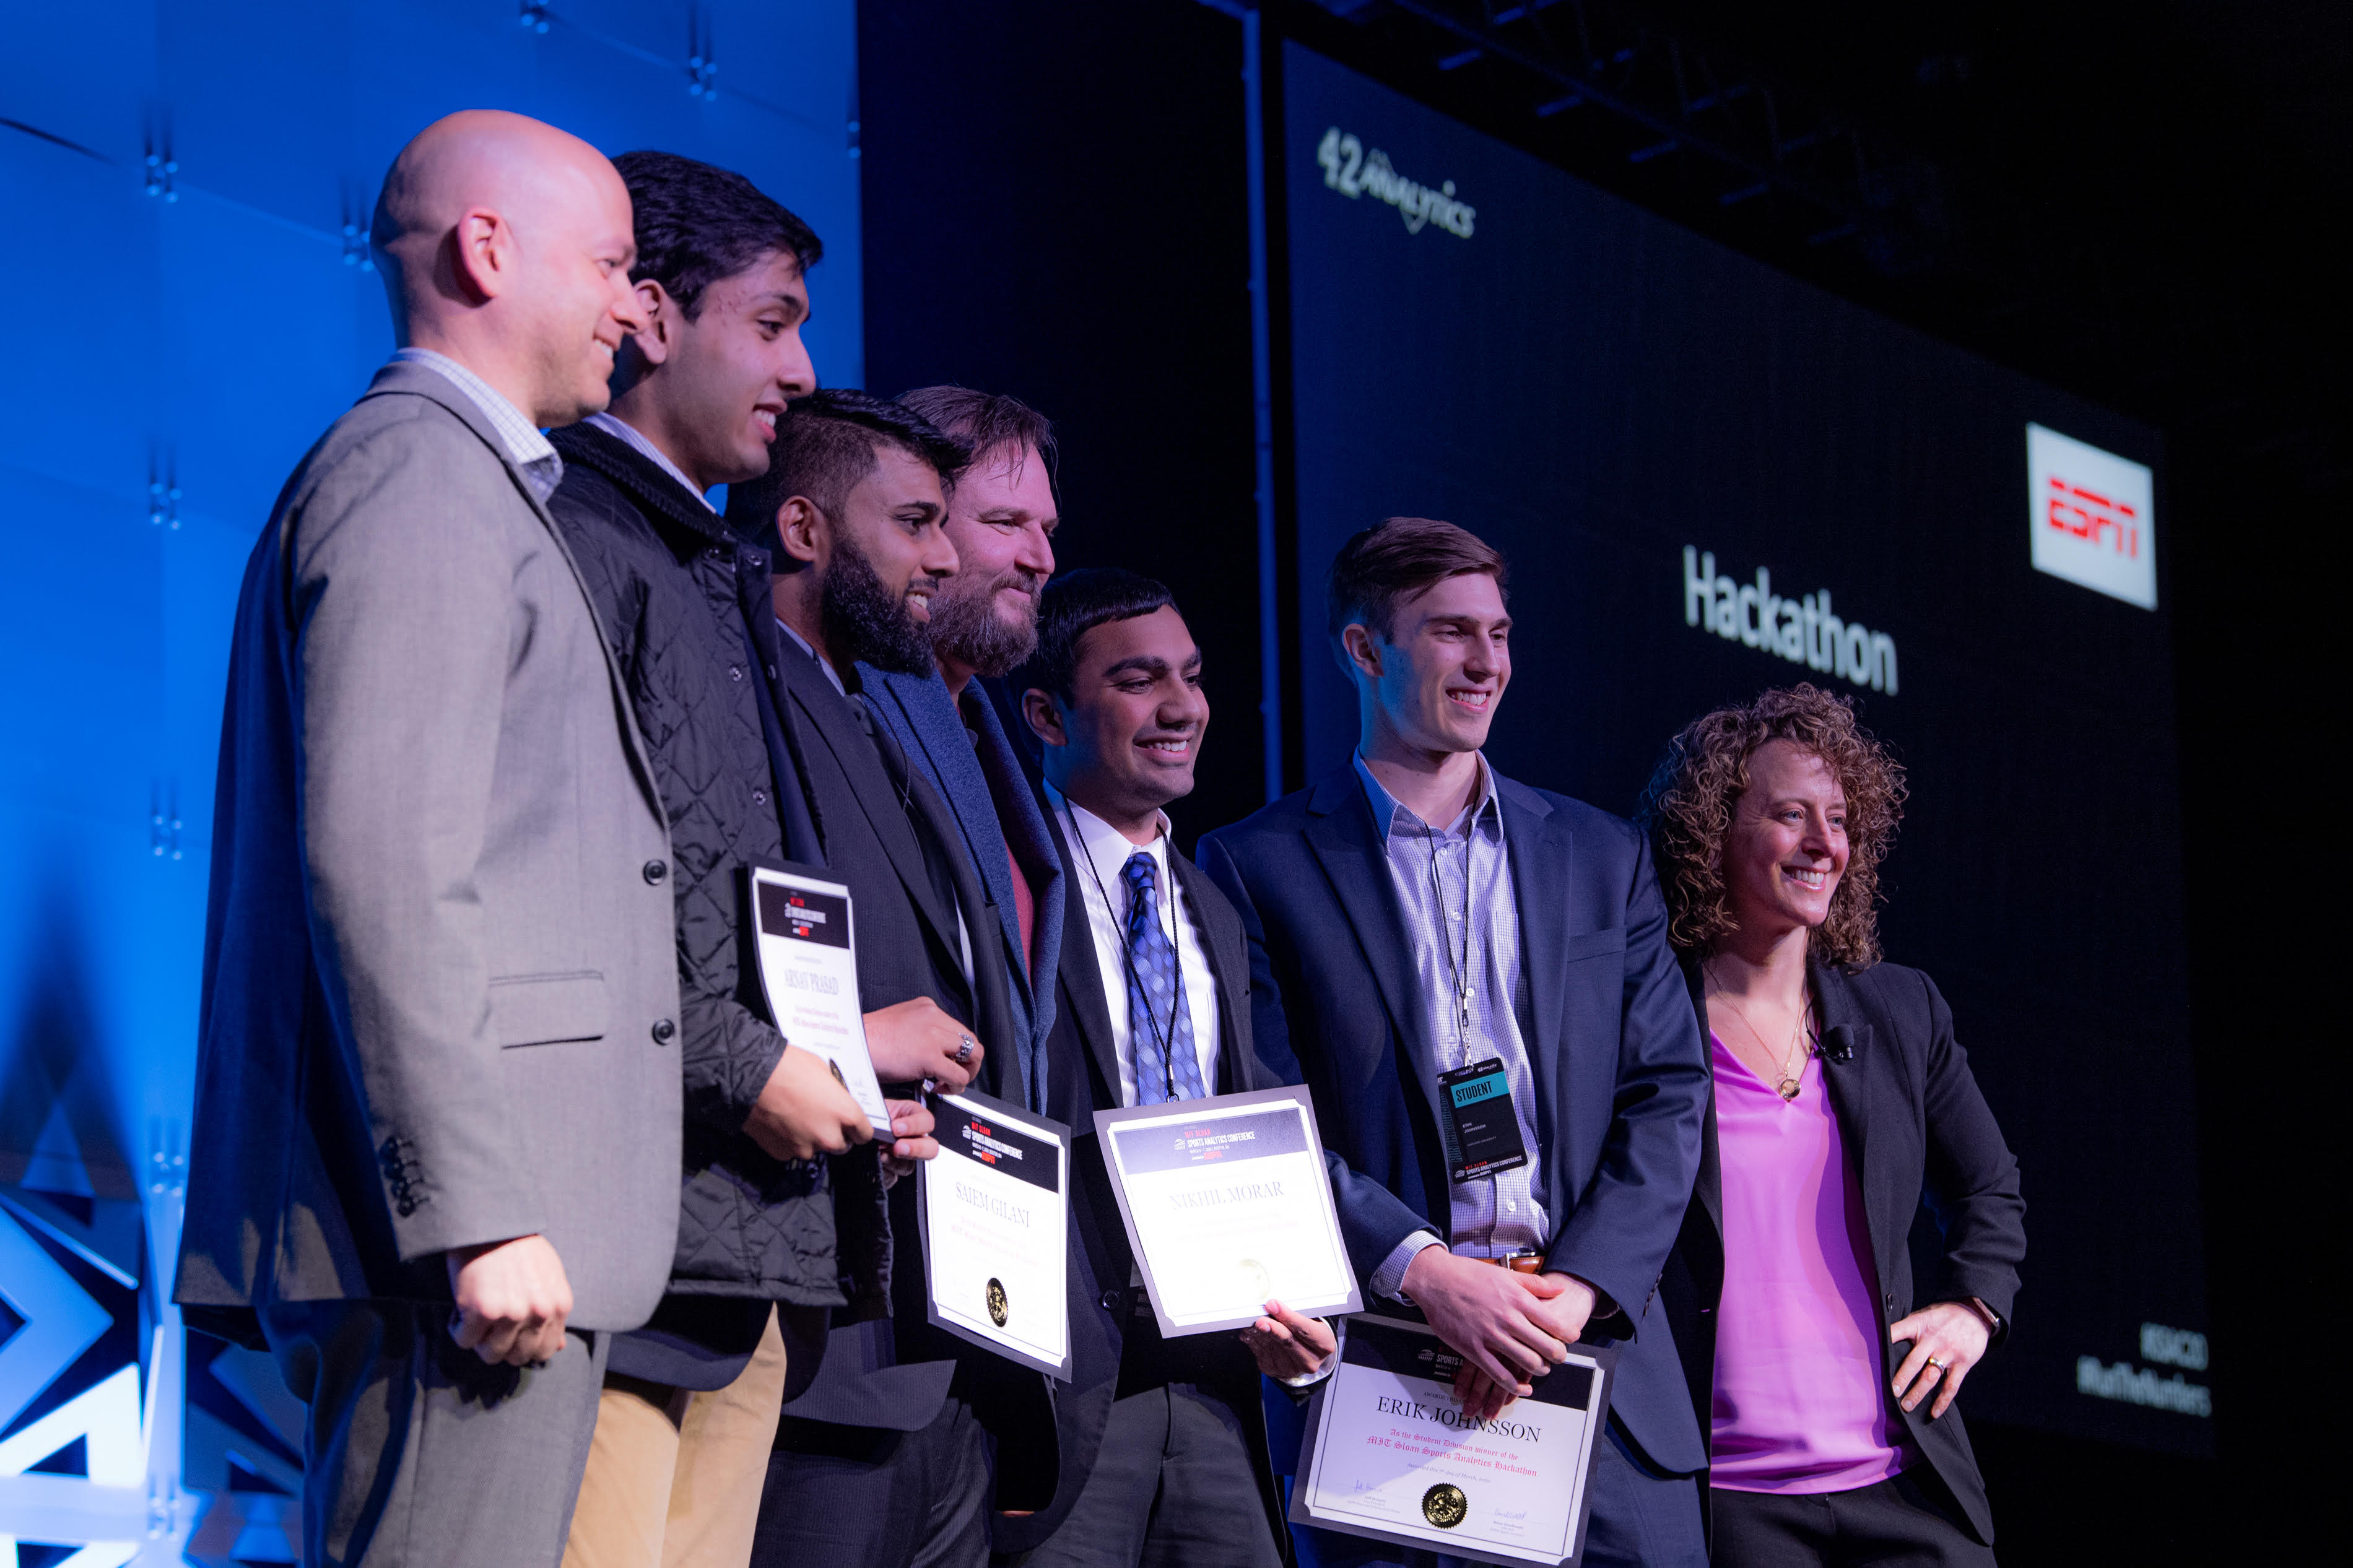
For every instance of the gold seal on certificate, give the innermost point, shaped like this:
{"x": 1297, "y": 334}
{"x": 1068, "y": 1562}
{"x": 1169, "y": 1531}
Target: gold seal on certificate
{"x": 994, "y": 1214}
{"x": 1227, "y": 1206}
{"x": 1391, "y": 1454}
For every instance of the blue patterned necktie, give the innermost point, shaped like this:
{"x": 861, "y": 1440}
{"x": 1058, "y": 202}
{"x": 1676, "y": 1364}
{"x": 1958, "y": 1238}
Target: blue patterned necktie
{"x": 1159, "y": 1025}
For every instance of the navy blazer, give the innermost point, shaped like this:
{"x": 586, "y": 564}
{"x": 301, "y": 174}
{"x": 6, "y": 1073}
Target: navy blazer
{"x": 1932, "y": 1166}
{"x": 1620, "y": 1074}
{"x": 1082, "y": 1078}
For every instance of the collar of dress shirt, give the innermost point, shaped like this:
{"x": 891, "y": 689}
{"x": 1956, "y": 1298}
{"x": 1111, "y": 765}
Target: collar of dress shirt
{"x": 1485, "y": 807}
{"x": 1106, "y": 846}
{"x": 810, "y": 648}
{"x": 525, "y": 443}
{"x": 622, "y": 430}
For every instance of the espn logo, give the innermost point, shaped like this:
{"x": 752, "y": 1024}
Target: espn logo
{"x": 2091, "y": 517}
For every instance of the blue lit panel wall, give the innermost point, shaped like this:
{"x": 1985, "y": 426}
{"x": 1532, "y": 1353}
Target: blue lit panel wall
{"x": 182, "y": 187}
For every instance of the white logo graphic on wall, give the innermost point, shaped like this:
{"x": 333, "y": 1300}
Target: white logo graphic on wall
{"x": 2093, "y": 517}
{"x": 1801, "y": 630}
{"x": 1355, "y": 174}
{"x": 2143, "y": 1385}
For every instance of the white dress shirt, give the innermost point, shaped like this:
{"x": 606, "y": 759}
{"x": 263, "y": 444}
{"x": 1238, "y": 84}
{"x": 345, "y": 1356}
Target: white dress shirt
{"x": 808, "y": 648}
{"x": 621, "y": 430}
{"x": 1104, "y": 851}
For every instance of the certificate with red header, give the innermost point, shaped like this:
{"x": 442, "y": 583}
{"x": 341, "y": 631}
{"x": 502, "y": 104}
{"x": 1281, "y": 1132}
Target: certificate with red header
{"x": 1227, "y": 1205}
{"x": 808, "y": 971}
{"x": 993, "y": 1207}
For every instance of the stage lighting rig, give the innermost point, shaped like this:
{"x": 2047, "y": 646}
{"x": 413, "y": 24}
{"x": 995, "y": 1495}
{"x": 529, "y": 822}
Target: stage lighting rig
{"x": 1631, "y": 92}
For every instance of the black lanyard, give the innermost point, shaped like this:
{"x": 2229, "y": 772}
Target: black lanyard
{"x": 1165, "y": 1035}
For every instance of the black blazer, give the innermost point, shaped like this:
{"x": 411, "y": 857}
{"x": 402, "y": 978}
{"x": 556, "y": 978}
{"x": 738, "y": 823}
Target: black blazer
{"x": 1082, "y": 1076}
{"x": 891, "y": 1372}
{"x": 1928, "y": 1150}
{"x": 680, "y": 599}
{"x": 1621, "y": 1080}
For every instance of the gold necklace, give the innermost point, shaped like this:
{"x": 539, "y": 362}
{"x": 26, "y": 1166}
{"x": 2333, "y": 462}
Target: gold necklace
{"x": 1789, "y": 1085}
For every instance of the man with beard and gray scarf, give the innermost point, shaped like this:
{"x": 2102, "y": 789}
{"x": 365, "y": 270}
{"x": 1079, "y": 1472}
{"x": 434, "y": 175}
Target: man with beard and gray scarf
{"x": 1001, "y": 520}
{"x": 884, "y": 1460}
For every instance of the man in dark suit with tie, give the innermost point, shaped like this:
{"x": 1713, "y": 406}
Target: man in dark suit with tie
{"x": 884, "y": 1460}
{"x": 1163, "y": 1442}
{"x": 1414, "y": 914}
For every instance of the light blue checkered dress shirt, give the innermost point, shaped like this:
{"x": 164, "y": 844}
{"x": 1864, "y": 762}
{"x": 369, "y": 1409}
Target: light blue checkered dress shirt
{"x": 1454, "y": 887}
{"x": 533, "y": 452}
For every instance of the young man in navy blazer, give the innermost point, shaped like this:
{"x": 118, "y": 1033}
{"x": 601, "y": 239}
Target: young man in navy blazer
{"x": 1163, "y": 1444}
{"x": 1414, "y": 913}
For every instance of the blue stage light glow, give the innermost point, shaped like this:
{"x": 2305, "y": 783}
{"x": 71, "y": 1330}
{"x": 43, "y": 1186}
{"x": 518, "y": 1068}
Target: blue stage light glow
{"x": 192, "y": 188}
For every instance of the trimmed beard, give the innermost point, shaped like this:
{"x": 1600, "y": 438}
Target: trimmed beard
{"x": 965, "y": 625}
{"x": 869, "y": 620}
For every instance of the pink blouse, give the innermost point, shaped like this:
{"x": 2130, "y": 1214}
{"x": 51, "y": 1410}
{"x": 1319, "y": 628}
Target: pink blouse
{"x": 1798, "y": 1405}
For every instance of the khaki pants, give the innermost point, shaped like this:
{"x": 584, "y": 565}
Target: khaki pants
{"x": 674, "y": 1476}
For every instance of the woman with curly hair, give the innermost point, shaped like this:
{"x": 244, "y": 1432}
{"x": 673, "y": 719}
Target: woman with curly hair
{"x": 1823, "y": 1370}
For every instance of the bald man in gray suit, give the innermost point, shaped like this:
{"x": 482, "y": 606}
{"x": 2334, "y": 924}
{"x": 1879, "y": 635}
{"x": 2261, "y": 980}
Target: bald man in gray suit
{"x": 438, "y": 1102}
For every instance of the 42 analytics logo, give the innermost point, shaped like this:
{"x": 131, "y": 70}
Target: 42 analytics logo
{"x": 1354, "y": 174}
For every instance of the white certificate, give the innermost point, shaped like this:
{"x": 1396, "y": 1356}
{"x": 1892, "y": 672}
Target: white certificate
{"x": 1227, "y": 1205}
{"x": 1390, "y": 1455}
{"x": 808, "y": 967}
{"x": 994, "y": 1215}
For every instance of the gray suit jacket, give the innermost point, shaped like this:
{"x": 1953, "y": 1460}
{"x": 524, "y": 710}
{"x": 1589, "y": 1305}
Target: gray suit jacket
{"x": 440, "y": 995}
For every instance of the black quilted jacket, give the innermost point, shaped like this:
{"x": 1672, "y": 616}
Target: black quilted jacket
{"x": 682, "y": 598}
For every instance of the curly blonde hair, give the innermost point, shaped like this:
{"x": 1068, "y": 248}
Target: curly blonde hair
{"x": 1686, "y": 810}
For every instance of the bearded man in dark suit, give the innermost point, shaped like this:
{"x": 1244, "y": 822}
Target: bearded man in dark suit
{"x": 887, "y": 1458}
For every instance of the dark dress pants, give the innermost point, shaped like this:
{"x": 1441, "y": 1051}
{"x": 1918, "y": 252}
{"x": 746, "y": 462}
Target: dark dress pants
{"x": 1174, "y": 1486}
{"x": 1904, "y": 1521}
{"x": 858, "y": 1497}
{"x": 418, "y": 1455}
{"x": 1641, "y": 1518}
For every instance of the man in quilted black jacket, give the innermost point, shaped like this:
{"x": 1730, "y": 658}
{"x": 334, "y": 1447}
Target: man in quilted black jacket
{"x": 780, "y": 1219}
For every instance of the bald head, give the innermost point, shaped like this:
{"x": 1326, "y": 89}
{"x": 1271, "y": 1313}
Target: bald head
{"x": 506, "y": 243}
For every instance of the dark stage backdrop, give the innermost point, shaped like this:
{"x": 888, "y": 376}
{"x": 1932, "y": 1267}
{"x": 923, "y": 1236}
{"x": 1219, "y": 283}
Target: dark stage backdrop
{"x": 1056, "y": 206}
{"x": 1695, "y": 462}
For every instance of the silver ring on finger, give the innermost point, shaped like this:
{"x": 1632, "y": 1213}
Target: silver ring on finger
{"x": 1939, "y": 1366}
{"x": 963, "y": 1057}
